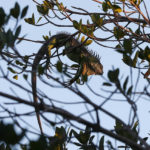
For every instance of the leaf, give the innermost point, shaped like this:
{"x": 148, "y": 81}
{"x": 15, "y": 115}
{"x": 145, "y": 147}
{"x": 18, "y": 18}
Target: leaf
{"x": 15, "y": 11}
{"x": 84, "y": 29}
{"x": 42, "y": 9}
{"x": 127, "y": 44}
{"x": 59, "y": 66}
{"x": 19, "y": 63}
{"x": 18, "y": 30}
{"x": 10, "y": 39}
{"x": 125, "y": 83}
{"x": 30, "y": 20}
{"x": 97, "y": 20}
{"x": 82, "y": 39}
{"x": 48, "y": 4}
{"x": 113, "y": 75}
{"x": 40, "y": 70}
{"x": 118, "y": 33}
{"x": 106, "y": 6}
{"x": 2, "y": 15}
{"x": 15, "y": 77}
{"x": 9, "y": 135}
{"x": 75, "y": 24}
{"x": 116, "y": 8}
{"x": 24, "y": 12}
{"x": 147, "y": 53}
{"x": 107, "y": 84}
{"x": 101, "y": 143}
{"x": 135, "y": 59}
{"x": 129, "y": 90}
{"x": 25, "y": 76}
{"x": 141, "y": 54}
{"x": 88, "y": 42}
{"x": 39, "y": 20}
{"x": 127, "y": 60}
{"x": 11, "y": 70}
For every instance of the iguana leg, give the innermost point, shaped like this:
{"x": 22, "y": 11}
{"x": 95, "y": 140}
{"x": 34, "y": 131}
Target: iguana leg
{"x": 77, "y": 75}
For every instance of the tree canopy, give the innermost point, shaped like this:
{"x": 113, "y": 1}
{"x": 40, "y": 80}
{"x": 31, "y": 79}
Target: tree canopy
{"x": 75, "y": 113}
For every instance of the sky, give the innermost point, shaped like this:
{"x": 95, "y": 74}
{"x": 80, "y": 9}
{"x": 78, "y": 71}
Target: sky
{"x": 109, "y": 58}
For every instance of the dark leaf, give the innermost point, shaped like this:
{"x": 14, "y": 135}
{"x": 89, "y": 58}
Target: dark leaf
{"x": 107, "y": 84}
{"x": 42, "y": 9}
{"x": 113, "y": 75}
{"x": 25, "y": 76}
{"x": 101, "y": 143}
{"x": 9, "y": 135}
{"x": 59, "y": 66}
{"x": 125, "y": 83}
{"x": 40, "y": 70}
{"x": 15, "y": 11}
{"x": 129, "y": 90}
{"x": 127, "y": 60}
{"x": 18, "y": 30}
{"x": 127, "y": 45}
{"x": 11, "y": 70}
{"x": 40, "y": 144}
{"x": 135, "y": 59}
{"x": 2, "y": 15}
{"x": 24, "y": 12}
{"x": 141, "y": 54}
{"x": 118, "y": 33}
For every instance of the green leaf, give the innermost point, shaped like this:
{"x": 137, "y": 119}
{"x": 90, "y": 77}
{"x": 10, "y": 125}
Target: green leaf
{"x": 127, "y": 44}
{"x": 75, "y": 24}
{"x": 24, "y": 12}
{"x": 147, "y": 53}
{"x": 135, "y": 59}
{"x": 19, "y": 63}
{"x": 118, "y": 33}
{"x": 84, "y": 29}
{"x": 97, "y": 20}
{"x": 116, "y": 8}
{"x": 15, "y": 11}
{"x": 30, "y": 20}
{"x": 11, "y": 70}
{"x": 127, "y": 60}
{"x": 59, "y": 66}
{"x": 25, "y": 76}
{"x": 39, "y": 20}
{"x": 42, "y": 9}
{"x": 2, "y": 15}
{"x": 101, "y": 143}
{"x": 106, "y": 5}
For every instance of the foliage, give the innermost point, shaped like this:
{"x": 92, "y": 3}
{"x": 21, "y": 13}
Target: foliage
{"x": 130, "y": 37}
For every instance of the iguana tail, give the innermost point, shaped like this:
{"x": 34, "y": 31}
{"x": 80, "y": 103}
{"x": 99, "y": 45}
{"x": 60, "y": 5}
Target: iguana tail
{"x": 55, "y": 41}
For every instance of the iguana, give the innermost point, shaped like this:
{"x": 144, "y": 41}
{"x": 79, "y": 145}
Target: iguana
{"x": 89, "y": 63}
